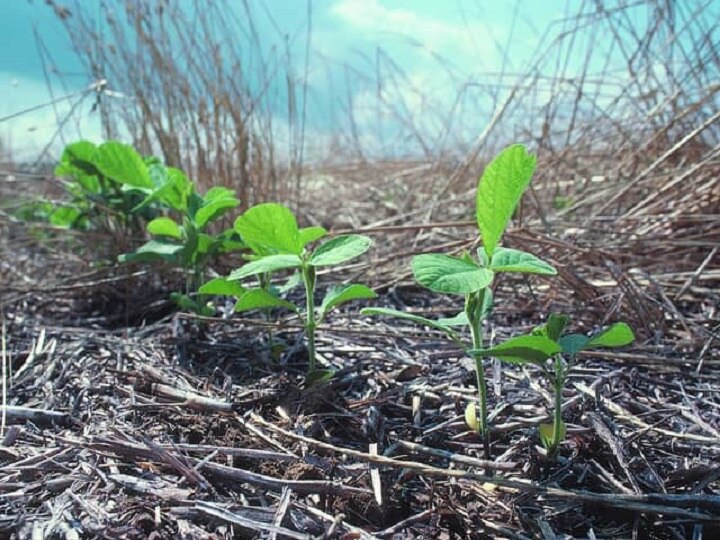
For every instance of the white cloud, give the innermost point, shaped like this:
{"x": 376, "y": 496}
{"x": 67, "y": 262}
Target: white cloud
{"x": 464, "y": 43}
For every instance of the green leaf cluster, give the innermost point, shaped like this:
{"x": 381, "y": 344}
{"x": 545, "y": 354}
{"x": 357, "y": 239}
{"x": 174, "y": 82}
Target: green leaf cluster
{"x": 271, "y": 231}
{"x": 499, "y": 191}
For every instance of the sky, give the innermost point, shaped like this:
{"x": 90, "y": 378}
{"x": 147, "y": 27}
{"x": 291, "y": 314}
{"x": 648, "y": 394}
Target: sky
{"x": 432, "y": 48}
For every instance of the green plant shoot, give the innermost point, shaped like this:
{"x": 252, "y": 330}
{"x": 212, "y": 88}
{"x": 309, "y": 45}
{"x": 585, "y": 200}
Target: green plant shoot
{"x": 555, "y": 353}
{"x": 272, "y": 233}
{"x": 185, "y": 241}
{"x": 106, "y": 184}
{"x": 499, "y": 191}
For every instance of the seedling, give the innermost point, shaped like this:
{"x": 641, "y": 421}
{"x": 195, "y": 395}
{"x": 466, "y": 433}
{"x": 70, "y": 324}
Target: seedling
{"x": 555, "y": 353}
{"x": 616, "y": 335}
{"x": 106, "y": 183}
{"x": 185, "y": 242}
{"x": 271, "y": 231}
{"x": 499, "y": 192}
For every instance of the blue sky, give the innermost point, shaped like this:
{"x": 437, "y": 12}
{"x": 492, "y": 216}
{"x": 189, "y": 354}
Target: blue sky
{"x": 432, "y": 48}
{"x": 435, "y": 43}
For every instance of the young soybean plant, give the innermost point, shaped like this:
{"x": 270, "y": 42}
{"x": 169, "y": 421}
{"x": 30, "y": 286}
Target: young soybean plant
{"x": 616, "y": 335}
{"x": 499, "y": 192}
{"x": 271, "y": 231}
{"x": 185, "y": 242}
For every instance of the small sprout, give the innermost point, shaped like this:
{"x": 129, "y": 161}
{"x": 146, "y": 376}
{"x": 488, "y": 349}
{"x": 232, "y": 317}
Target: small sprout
{"x": 183, "y": 242}
{"x": 499, "y": 191}
{"x": 547, "y": 343}
{"x": 271, "y": 231}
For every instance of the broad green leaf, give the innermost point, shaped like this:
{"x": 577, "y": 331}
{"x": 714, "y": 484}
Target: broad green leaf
{"x": 521, "y": 350}
{"x": 340, "y": 249}
{"x": 338, "y": 295}
{"x": 482, "y": 257}
{"x": 270, "y": 226}
{"x": 311, "y": 234}
{"x": 151, "y": 251}
{"x": 177, "y": 189}
{"x": 556, "y": 324}
{"x": 189, "y": 304}
{"x": 572, "y": 344}
{"x": 318, "y": 377}
{"x": 553, "y": 328}
{"x": 617, "y": 335}
{"x": 292, "y": 282}
{"x": 445, "y": 274}
{"x": 185, "y": 302}
{"x": 547, "y": 434}
{"x": 513, "y": 260}
{"x": 257, "y": 299}
{"x": 460, "y": 319}
{"x": 386, "y": 312}
{"x": 164, "y": 226}
{"x": 271, "y": 263}
{"x": 123, "y": 164}
{"x": 77, "y": 159}
{"x": 218, "y": 193}
{"x": 216, "y": 202}
{"x": 222, "y": 287}
{"x": 499, "y": 191}
{"x": 65, "y": 217}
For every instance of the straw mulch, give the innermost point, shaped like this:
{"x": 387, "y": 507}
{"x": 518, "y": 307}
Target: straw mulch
{"x": 174, "y": 428}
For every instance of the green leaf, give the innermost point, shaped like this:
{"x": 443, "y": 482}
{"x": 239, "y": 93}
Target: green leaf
{"x": 185, "y": 302}
{"x": 152, "y": 251}
{"x": 338, "y": 295}
{"x": 123, "y": 164}
{"x": 617, "y": 335}
{"x": 65, "y": 217}
{"x": 340, "y": 249}
{"x": 522, "y": 350}
{"x": 164, "y": 226}
{"x": 258, "y": 299}
{"x": 311, "y": 234}
{"x": 386, "y": 312}
{"x": 271, "y": 263}
{"x": 216, "y": 201}
{"x": 499, "y": 191}
{"x": 513, "y": 260}
{"x": 482, "y": 257}
{"x": 556, "y": 324}
{"x": 77, "y": 159}
{"x": 547, "y": 434}
{"x": 553, "y": 328}
{"x": 572, "y": 344}
{"x": 445, "y": 274}
{"x": 318, "y": 377}
{"x": 460, "y": 319}
{"x": 270, "y": 228}
{"x": 292, "y": 282}
{"x": 222, "y": 287}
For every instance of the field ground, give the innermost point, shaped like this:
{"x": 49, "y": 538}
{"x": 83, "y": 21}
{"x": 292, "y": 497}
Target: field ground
{"x": 173, "y": 428}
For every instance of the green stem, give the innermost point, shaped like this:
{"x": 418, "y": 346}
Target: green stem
{"x": 557, "y": 413}
{"x": 473, "y": 310}
{"x": 308, "y": 275}
{"x": 265, "y": 286}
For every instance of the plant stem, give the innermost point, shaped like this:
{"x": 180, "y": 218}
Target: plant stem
{"x": 265, "y": 286}
{"x": 473, "y": 310}
{"x": 557, "y": 413}
{"x": 308, "y": 275}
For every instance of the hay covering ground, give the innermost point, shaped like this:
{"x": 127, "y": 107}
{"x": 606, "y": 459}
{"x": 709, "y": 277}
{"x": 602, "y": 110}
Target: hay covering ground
{"x": 124, "y": 419}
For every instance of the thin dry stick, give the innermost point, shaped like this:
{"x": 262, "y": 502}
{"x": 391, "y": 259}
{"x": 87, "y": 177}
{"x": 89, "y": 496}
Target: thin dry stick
{"x": 652, "y": 503}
